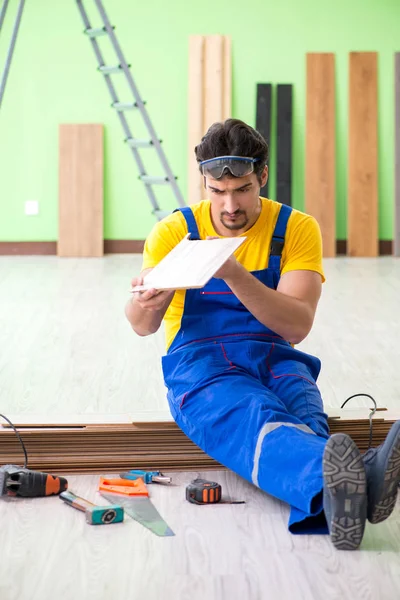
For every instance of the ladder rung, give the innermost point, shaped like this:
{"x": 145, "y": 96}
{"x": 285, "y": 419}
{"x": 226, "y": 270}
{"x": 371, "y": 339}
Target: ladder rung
{"x": 124, "y": 105}
{"x": 139, "y": 143}
{"x": 114, "y": 69}
{"x": 154, "y": 180}
{"x": 96, "y": 31}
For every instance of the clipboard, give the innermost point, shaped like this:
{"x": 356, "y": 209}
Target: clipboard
{"x": 190, "y": 265}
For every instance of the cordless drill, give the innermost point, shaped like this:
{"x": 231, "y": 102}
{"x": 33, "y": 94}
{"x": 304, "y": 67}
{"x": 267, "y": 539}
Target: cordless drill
{"x": 19, "y": 481}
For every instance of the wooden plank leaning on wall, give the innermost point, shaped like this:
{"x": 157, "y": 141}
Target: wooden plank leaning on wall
{"x": 320, "y": 188}
{"x": 80, "y": 190}
{"x": 284, "y": 143}
{"x": 363, "y": 156}
{"x": 209, "y": 97}
{"x": 396, "y": 246}
{"x": 263, "y": 119}
{"x": 195, "y": 114}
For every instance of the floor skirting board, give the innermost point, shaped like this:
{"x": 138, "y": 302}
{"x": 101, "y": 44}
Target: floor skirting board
{"x": 50, "y": 248}
{"x": 135, "y": 247}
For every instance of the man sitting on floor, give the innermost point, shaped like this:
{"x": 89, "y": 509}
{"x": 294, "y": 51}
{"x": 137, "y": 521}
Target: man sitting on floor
{"x": 237, "y": 386}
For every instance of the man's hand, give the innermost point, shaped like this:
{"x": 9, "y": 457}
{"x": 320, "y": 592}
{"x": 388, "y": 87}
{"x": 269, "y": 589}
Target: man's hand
{"x": 145, "y": 310}
{"x": 151, "y": 299}
{"x": 229, "y": 267}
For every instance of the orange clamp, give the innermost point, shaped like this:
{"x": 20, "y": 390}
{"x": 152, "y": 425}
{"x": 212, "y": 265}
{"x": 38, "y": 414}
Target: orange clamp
{"x": 125, "y": 487}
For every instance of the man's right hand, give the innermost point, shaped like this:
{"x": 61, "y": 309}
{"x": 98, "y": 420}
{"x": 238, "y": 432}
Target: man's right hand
{"x": 151, "y": 299}
{"x": 145, "y": 310}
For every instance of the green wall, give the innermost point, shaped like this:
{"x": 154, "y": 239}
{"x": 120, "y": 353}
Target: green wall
{"x": 54, "y": 80}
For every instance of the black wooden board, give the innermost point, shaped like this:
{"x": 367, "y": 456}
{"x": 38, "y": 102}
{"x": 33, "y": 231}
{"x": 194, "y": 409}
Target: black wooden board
{"x": 263, "y": 118}
{"x": 284, "y": 144}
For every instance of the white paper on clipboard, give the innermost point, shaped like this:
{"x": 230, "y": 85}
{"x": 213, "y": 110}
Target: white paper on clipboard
{"x": 191, "y": 264}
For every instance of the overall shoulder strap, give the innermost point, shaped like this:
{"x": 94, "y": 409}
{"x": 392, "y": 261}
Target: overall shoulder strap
{"x": 191, "y": 222}
{"x": 278, "y": 238}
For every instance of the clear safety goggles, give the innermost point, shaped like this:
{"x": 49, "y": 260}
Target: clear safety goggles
{"x": 239, "y": 166}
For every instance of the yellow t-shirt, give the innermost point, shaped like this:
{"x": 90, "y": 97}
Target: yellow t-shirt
{"x": 302, "y": 249}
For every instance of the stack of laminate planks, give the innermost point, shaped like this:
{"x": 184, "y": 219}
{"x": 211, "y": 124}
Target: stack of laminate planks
{"x": 96, "y": 444}
{"x": 357, "y": 425}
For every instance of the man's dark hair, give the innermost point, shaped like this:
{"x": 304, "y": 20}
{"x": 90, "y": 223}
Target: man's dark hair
{"x": 234, "y": 138}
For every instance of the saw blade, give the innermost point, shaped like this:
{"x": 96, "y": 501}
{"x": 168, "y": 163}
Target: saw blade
{"x": 143, "y": 511}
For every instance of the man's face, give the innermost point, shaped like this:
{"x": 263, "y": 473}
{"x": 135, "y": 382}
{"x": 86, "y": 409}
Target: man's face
{"x": 235, "y": 203}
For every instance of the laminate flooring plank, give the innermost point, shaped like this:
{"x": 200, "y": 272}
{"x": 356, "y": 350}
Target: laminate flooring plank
{"x": 214, "y": 60}
{"x": 397, "y": 156}
{"x": 363, "y": 155}
{"x": 195, "y": 114}
{"x": 320, "y": 147}
{"x": 80, "y": 229}
{"x": 227, "y": 78}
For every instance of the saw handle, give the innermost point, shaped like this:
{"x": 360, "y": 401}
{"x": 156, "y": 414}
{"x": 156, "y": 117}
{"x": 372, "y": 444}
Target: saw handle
{"x": 125, "y": 487}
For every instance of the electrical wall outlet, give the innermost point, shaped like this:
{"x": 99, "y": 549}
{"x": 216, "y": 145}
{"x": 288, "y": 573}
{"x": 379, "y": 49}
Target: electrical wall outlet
{"x": 31, "y": 207}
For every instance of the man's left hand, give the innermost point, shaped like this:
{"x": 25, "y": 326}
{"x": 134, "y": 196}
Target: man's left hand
{"x": 229, "y": 267}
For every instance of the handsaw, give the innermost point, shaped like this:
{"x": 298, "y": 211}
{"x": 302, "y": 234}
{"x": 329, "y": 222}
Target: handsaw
{"x": 134, "y": 497}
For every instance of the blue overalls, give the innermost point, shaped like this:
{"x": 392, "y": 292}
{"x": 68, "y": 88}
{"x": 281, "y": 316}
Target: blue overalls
{"x": 246, "y": 397}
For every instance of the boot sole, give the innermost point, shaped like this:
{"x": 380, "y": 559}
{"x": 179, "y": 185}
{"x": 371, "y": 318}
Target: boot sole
{"x": 383, "y": 507}
{"x": 346, "y": 483}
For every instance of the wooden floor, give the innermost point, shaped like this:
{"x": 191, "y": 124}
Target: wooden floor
{"x": 66, "y": 348}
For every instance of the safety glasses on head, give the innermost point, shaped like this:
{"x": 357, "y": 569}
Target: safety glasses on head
{"x": 239, "y": 166}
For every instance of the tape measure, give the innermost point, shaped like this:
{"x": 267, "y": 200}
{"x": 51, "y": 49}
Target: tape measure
{"x": 201, "y": 491}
